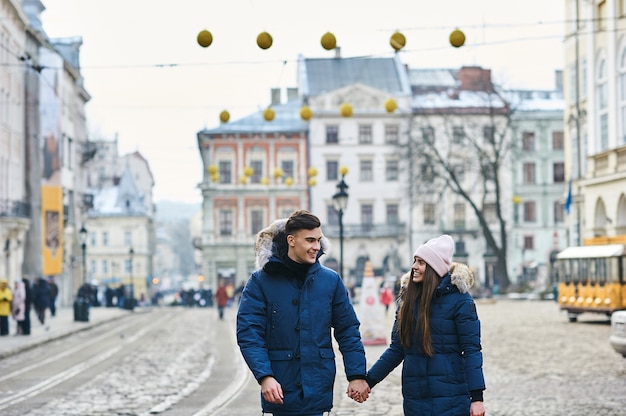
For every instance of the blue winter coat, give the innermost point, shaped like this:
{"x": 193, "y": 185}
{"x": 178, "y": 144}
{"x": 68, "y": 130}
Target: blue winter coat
{"x": 439, "y": 385}
{"x": 284, "y": 329}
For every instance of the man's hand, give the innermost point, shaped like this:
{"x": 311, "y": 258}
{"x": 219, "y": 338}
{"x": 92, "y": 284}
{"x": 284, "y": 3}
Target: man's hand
{"x": 271, "y": 390}
{"x": 477, "y": 409}
{"x": 358, "y": 390}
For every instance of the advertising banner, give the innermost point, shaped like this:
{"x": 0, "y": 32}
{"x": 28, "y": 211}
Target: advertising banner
{"x": 52, "y": 220}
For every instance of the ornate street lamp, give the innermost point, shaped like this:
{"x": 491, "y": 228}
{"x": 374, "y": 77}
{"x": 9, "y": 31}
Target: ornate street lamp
{"x": 82, "y": 235}
{"x": 340, "y": 202}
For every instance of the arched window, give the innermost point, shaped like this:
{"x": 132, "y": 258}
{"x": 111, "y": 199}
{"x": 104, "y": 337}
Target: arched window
{"x": 602, "y": 99}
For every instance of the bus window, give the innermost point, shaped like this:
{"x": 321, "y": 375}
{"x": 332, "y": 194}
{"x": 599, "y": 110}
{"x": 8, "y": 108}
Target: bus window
{"x": 605, "y": 270}
{"x": 564, "y": 273}
{"x": 575, "y": 271}
{"x": 586, "y": 271}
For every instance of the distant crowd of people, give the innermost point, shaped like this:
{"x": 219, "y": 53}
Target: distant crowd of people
{"x": 17, "y": 303}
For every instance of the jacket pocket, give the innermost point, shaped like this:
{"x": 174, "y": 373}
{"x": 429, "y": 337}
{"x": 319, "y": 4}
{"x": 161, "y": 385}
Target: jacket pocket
{"x": 283, "y": 368}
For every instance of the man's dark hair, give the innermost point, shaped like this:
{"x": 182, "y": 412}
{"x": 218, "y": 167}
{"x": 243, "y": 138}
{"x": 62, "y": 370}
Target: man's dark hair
{"x": 301, "y": 220}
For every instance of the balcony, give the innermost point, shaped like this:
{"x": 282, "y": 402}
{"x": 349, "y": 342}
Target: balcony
{"x": 397, "y": 231}
{"x": 14, "y": 209}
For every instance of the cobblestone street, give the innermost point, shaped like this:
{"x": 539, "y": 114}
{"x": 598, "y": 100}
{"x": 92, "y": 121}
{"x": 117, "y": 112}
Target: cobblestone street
{"x": 535, "y": 363}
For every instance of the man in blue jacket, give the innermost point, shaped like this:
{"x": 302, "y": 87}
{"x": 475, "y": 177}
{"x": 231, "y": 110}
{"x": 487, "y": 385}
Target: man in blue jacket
{"x": 287, "y": 311}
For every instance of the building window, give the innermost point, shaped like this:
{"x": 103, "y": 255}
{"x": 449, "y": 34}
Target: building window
{"x": 226, "y": 222}
{"x": 366, "y": 170}
{"x": 257, "y": 171}
{"x": 365, "y": 134}
{"x": 458, "y": 134}
{"x": 332, "y": 214}
{"x": 392, "y": 135}
{"x": 559, "y": 212}
{"x": 529, "y": 173}
{"x": 128, "y": 239}
{"x": 105, "y": 266}
{"x": 528, "y": 141}
{"x": 529, "y": 242}
{"x": 225, "y": 172}
{"x": 256, "y": 221}
{"x": 367, "y": 217}
{"x": 429, "y": 213}
{"x": 558, "y": 172}
{"x": 128, "y": 266}
{"x": 392, "y": 214}
{"x": 489, "y": 134}
{"x": 489, "y": 212}
{"x": 391, "y": 170}
{"x": 602, "y": 95}
{"x": 332, "y": 170}
{"x": 105, "y": 238}
{"x": 428, "y": 134}
{"x": 332, "y": 134}
{"x": 459, "y": 216}
{"x": 287, "y": 167}
{"x": 557, "y": 140}
{"x": 530, "y": 214}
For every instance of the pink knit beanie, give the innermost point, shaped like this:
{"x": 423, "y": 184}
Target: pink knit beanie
{"x": 437, "y": 253}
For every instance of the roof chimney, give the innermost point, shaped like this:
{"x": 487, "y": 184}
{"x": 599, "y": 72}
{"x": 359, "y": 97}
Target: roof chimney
{"x": 337, "y": 51}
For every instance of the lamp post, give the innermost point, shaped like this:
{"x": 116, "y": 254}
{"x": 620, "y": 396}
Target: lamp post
{"x": 82, "y": 235}
{"x": 340, "y": 202}
{"x": 130, "y": 305}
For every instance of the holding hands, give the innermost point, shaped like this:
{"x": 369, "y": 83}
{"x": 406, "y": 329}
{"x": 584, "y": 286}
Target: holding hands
{"x": 358, "y": 390}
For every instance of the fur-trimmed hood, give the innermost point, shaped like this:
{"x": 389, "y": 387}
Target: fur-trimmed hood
{"x": 460, "y": 275}
{"x": 272, "y": 241}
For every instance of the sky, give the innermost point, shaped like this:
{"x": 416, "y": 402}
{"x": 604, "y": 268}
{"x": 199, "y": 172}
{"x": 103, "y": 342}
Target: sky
{"x": 154, "y": 87}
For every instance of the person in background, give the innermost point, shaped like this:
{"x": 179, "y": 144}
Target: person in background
{"x": 41, "y": 298}
{"x": 437, "y": 336}
{"x": 29, "y": 301}
{"x": 18, "y": 306}
{"x": 6, "y": 297}
{"x": 54, "y": 292}
{"x": 239, "y": 290}
{"x": 221, "y": 298}
{"x": 290, "y": 308}
{"x": 386, "y": 297}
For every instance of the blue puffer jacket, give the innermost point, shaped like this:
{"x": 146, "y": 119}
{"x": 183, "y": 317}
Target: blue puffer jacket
{"x": 440, "y": 385}
{"x": 284, "y": 328}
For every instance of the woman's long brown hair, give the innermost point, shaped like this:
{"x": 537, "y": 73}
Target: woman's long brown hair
{"x": 421, "y": 295}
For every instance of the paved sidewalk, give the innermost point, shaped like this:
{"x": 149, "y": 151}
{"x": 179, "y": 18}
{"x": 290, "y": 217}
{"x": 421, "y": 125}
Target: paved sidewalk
{"x": 60, "y": 326}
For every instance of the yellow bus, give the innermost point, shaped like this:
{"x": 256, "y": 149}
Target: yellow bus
{"x": 591, "y": 279}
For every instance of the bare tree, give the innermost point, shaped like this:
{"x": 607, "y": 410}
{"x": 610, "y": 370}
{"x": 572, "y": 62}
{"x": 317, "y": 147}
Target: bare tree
{"x": 463, "y": 150}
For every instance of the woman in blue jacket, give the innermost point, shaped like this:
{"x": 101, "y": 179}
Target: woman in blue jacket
{"x": 287, "y": 312}
{"x": 437, "y": 335}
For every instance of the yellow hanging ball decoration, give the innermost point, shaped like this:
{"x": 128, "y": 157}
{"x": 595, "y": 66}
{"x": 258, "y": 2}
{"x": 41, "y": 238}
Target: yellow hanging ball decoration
{"x": 289, "y": 181}
{"x": 397, "y": 41}
{"x": 343, "y": 171}
{"x": 328, "y": 41}
{"x": 243, "y": 180}
{"x": 265, "y": 180}
{"x": 212, "y": 169}
{"x": 312, "y": 182}
{"x": 264, "y": 40}
{"x": 269, "y": 114}
{"x": 391, "y": 105}
{"x": 215, "y": 177}
{"x": 457, "y": 38}
{"x": 306, "y": 113}
{"x": 345, "y": 110}
{"x": 248, "y": 171}
{"x": 224, "y": 116}
{"x": 312, "y": 172}
{"x": 205, "y": 38}
{"x": 278, "y": 172}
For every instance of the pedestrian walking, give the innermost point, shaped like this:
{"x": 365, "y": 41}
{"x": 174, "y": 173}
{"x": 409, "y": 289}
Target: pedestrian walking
{"x": 437, "y": 336}
{"x": 54, "y": 292}
{"x": 6, "y": 297}
{"x": 18, "y": 306}
{"x": 221, "y": 298}
{"x": 288, "y": 309}
{"x": 28, "y": 302}
{"x": 386, "y": 297}
{"x": 41, "y": 299}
